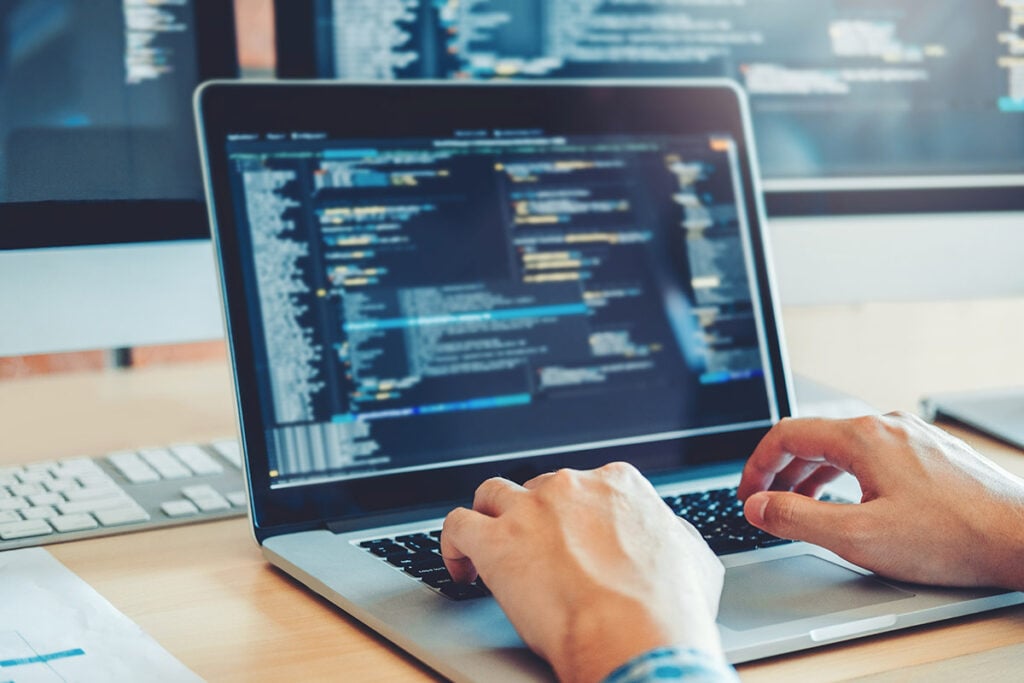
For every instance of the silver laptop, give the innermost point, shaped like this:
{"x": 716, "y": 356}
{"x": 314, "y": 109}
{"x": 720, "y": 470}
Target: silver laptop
{"x": 996, "y": 412}
{"x": 429, "y": 285}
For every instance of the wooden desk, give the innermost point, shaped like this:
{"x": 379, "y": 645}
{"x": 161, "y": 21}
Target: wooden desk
{"x": 205, "y": 593}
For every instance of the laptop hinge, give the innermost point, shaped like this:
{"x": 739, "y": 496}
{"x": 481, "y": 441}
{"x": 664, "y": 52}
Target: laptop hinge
{"x": 342, "y": 526}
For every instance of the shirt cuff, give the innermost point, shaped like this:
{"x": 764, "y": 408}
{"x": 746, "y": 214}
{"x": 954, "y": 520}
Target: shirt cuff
{"x": 669, "y": 664}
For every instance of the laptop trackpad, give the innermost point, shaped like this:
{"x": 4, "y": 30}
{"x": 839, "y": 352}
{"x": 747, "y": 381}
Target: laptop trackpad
{"x": 767, "y": 593}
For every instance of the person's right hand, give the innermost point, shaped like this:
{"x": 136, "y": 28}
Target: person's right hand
{"x": 933, "y": 510}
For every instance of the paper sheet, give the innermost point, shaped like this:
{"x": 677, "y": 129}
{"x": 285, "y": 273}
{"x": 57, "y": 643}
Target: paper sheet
{"x": 54, "y": 627}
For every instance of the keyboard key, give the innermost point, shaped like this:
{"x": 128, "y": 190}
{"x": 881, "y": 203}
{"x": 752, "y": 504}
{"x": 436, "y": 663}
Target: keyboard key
{"x": 61, "y": 485}
{"x": 68, "y": 523}
{"x": 461, "y": 591}
{"x": 161, "y": 460}
{"x": 39, "y": 512}
{"x": 239, "y": 499}
{"x": 437, "y": 580}
{"x": 206, "y": 498}
{"x": 46, "y": 499}
{"x": 9, "y": 516}
{"x": 424, "y": 543}
{"x": 93, "y": 492}
{"x": 179, "y": 508}
{"x": 31, "y": 527}
{"x": 35, "y": 476}
{"x": 384, "y": 550}
{"x": 116, "y": 500}
{"x": 231, "y": 451}
{"x": 26, "y": 489}
{"x": 133, "y": 468}
{"x": 428, "y": 573}
{"x": 197, "y": 460}
{"x": 95, "y": 479}
{"x": 212, "y": 503}
{"x": 406, "y": 559}
{"x": 76, "y": 466}
{"x": 122, "y": 515}
{"x": 13, "y": 503}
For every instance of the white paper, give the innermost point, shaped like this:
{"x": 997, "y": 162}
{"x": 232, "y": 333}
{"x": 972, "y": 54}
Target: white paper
{"x": 54, "y": 627}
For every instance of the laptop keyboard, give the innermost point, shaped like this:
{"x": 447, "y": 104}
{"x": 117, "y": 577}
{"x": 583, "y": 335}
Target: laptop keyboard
{"x": 419, "y": 556}
{"x": 65, "y": 500}
{"x": 716, "y": 514}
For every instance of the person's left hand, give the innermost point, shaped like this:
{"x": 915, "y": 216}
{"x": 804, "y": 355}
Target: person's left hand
{"x": 592, "y": 568}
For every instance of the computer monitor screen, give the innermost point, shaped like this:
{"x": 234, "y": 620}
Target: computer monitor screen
{"x": 98, "y": 148}
{"x": 852, "y": 99}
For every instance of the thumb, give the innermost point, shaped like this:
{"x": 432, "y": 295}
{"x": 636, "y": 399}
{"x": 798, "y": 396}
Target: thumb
{"x": 791, "y": 515}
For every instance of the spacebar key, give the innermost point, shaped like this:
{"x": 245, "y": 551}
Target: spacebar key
{"x": 30, "y": 527}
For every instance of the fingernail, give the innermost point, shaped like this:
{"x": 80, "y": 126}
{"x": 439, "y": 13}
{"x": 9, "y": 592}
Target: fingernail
{"x": 759, "y": 501}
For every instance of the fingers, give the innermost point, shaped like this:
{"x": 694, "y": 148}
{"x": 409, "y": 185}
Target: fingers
{"x": 463, "y": 534}
{"x": 813, "y": 485}
{"x": 793, "y": 474}
{"x": 815, "y": 440}
{"x": 495, "y": 495}
{"x": 791, "y": 515}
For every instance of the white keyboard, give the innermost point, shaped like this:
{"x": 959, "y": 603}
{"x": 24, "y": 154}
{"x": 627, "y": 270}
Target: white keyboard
{"x": 65, "y": 500}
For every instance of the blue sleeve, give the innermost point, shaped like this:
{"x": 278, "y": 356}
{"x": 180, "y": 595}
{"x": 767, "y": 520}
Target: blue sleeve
{"x": 666, "y": 665}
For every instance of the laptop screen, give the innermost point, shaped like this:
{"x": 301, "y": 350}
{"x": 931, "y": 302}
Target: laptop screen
{"x": 426, "y": 302}
{"x": 429, "y": 298}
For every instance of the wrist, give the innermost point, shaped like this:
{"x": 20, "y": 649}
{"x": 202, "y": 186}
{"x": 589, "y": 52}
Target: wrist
{"x": 1006, "y": 568}
{"x": 603, "y": 638}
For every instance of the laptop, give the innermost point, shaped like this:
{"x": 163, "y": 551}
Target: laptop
{"x": 999, "y": 413}
{"x": 430, "y": 284}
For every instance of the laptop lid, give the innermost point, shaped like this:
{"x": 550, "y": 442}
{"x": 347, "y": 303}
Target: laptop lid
{"x": 430, "y": 284}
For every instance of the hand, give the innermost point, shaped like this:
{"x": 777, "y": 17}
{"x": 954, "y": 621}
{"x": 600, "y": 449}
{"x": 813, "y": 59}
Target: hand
{"x": 592, "y": 568}
{"x": 933, "y": 510}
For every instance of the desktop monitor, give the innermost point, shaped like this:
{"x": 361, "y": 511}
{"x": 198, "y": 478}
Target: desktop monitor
{"x": 889, "y": 131}
{"x": 103, "y": 230}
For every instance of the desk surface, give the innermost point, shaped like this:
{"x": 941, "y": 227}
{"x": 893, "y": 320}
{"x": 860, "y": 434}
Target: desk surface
{"x": 205, "y": 593}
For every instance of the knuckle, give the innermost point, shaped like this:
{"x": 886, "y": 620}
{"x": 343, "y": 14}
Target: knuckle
{"x": 454, "y": 522}
{"x": 782, "y": 428}
{"x": 564, "y": 474}
{"x": 564, "y": 478}
{"x": 486, "y": 484}
{"x": 865, "y": 429}
{"x": 899, "y": 427}
{"x": 866, "y": 424}
{"x": 619, "y": 469}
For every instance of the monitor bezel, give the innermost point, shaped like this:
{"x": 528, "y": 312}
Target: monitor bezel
{"x": 38, "y": 225}
{"x": 225, "y": 109}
